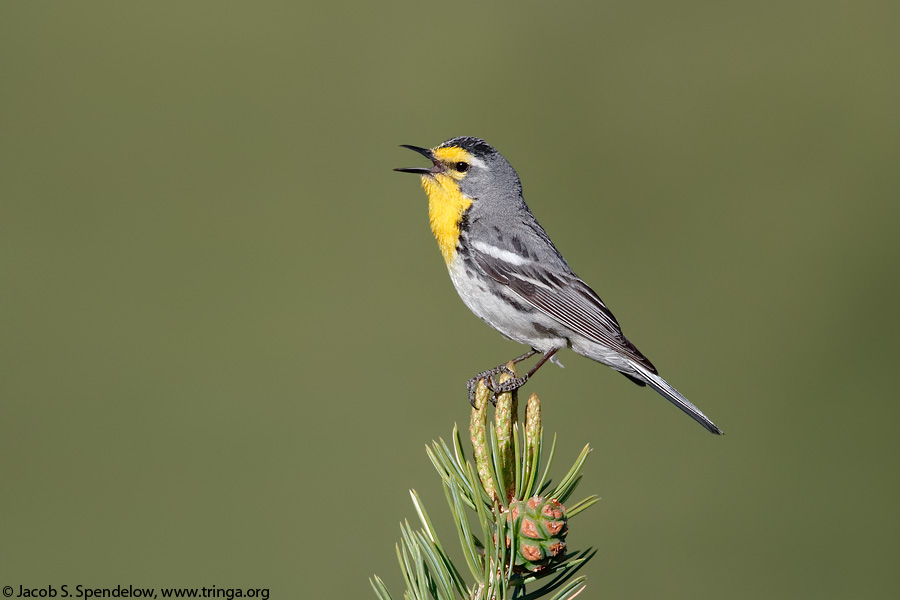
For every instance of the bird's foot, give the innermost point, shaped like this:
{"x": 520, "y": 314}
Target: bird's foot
{"x": 491, "y": 382}
{"x": 510, "y": 385}
{"x": 491, "y": 379}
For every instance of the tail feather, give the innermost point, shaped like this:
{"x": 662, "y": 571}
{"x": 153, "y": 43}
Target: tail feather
{"x": 672, "y": 395}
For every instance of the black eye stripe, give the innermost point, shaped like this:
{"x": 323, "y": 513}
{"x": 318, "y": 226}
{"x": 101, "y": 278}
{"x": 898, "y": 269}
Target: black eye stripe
{"x": 462, "y": 167}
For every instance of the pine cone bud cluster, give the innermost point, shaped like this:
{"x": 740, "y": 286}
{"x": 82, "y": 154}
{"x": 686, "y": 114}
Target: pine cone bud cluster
{"x": 541, "y": 526}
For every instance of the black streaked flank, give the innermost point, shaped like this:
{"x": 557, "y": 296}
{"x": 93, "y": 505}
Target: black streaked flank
{"x": 523, "y": 308}
{"x": 465, "y": 223}
{"x": 546, "y": 330}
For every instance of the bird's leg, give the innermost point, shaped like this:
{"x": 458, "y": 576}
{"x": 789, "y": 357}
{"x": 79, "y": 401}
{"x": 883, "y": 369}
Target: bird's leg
{"x": 517, "y": 382}
{"x": 488, "y": 376}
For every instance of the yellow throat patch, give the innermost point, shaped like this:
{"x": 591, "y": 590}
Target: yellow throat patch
{"x": 446, "y": 203}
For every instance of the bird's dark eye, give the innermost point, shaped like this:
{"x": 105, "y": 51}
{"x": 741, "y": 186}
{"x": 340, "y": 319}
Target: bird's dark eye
{"x": 462, "y": 167}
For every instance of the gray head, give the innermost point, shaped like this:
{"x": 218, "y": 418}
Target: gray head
{"x": 470, "y": 166}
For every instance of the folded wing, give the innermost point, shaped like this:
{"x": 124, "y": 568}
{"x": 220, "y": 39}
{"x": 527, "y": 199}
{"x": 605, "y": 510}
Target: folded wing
{"x": 564, "y": 297}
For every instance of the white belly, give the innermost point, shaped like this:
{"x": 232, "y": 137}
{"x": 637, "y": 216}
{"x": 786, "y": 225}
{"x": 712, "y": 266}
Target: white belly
{"x": 506, "y": 312}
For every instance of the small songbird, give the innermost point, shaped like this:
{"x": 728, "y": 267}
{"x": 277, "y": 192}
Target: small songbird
{"x": 509, "y": 273}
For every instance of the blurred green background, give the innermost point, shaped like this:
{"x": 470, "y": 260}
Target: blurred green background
{"x": 227, "y": 333}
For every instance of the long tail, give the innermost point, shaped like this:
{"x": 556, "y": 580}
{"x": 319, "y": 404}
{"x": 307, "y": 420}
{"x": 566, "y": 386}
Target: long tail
{"x": 672, "y": 395}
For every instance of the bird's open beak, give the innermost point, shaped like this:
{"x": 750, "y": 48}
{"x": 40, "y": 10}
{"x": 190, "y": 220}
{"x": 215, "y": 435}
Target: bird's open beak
{"x": 437, "y": 168}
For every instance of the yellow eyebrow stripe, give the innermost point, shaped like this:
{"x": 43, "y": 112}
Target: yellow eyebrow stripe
{"x": 452, "y": 154}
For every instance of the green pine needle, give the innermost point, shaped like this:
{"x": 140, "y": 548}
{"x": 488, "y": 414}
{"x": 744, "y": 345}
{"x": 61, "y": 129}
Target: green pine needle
{"x": 507, "y": 463}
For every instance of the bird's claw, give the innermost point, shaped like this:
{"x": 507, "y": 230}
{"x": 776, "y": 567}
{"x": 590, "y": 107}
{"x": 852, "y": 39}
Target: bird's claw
{"x": 492, "y": 383}
{"x": 510, "y": 385}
